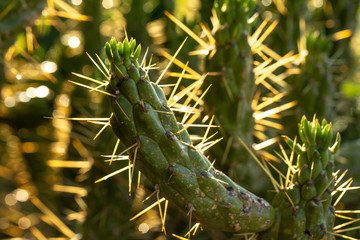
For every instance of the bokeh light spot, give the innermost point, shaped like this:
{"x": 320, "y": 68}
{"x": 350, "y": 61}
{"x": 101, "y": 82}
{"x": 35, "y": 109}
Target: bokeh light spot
{"x": 10, "y": 199}
{"x": 9, "y": 102}
{"x": 22, "y": 195}
{"x": 107, "y": 4}
{"x": 74, "y": 42}
{"x": 48, "y": 66}
{"x": 143, "y": 228}
{"x": 42, "y": 91}
{"x": 76, "y": 2}
{"x": 24, "y": 223}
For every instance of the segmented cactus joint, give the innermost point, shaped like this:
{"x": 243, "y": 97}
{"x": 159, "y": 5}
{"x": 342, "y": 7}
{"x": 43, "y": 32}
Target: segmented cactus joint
{"x": 165, "y": 155}
{"x": 304, "y": 209}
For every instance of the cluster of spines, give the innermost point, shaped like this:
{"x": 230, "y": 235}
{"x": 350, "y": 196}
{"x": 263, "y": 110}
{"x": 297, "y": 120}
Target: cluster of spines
{"x": 304, "y": 207}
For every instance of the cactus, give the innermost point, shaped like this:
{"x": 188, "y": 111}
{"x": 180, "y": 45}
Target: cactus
{"x": 303, "y": 206}
{"x": 235, "y": 86}
{"x": 162, "y": 150}
{"x": 315, "y": 83}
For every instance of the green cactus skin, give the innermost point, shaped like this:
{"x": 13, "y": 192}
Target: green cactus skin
{"x": 182, "y": 173}
{"x": 310, "y": 215}
{"x": 234, "y": 89}
{"x": 315, "y": 84}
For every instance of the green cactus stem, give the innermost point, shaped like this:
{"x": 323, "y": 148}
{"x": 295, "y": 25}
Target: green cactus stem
{"x": 234, "y": 88}
{"x": 303, "y": 207}
{"x": 315, "y": 83}
{"x": 165, "y": 155}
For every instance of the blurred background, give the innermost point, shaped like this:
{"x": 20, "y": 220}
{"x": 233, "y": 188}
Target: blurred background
{"x": 49, "y": 163}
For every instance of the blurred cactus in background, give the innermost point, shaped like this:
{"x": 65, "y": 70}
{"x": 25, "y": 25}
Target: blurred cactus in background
{"x": 232, "y": 59}
{"x": 259, "y": 67}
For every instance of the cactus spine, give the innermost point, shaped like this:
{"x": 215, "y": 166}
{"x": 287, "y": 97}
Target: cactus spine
{"x": 165, "y": 155}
